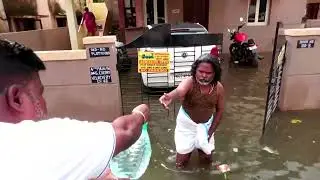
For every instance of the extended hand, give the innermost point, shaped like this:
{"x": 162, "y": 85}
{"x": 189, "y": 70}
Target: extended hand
{"x": 165, "y": 100}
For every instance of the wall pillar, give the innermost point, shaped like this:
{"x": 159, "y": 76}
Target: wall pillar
{"x": 3, "y": 23}
{"x": 72, "y": 24}
{"x": 122, "y": 22}
{"x": 139, "y": 13}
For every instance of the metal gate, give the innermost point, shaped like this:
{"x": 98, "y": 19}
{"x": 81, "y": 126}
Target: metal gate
{"x": 131, "y": 93}
{"x": 275, "y": 75}
{"x": 136, "y": 90}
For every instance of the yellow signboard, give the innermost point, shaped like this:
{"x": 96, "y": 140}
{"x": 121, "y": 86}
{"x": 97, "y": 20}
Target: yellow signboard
{"x": 155, "y": 62}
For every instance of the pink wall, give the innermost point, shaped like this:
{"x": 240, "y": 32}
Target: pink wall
{"x": 174, "y": 5}
{"x": 225, "y": 14}
{"x": 43, "y": 9}
{"x": 41, "y": 40}
{"x": 313, "y": 23}
{"x": 301, "y": 76}
{"x": 113, "y": 7}
{"x": 133, "y": 33}
{"x": 69, "y": 93}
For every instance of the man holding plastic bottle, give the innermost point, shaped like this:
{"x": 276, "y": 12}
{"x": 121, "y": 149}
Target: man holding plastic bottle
{"x": 35, "y": 147}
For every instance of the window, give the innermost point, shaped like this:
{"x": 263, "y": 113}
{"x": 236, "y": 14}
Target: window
{"x": 258, "y": 12}
{"x": 130, "y": 13}
{"x": 312, "y": 10}
{"x": 61, "y": 21}
{"x": 161, "y": 11}
{"x": 155, "y": 11}
{"x": 25, "y": 24}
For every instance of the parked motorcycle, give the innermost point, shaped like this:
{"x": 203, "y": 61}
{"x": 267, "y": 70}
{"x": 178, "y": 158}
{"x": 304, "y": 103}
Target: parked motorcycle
{"x": 241, "y": 51}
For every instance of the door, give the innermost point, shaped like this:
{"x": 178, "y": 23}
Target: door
{"x": 196, "y": 12}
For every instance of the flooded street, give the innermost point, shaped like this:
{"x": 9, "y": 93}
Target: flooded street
{"x": 293, "y": 149}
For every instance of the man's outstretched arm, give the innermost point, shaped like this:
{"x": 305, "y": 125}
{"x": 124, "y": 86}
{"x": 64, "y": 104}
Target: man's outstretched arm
{"x": 178, "y": 93}
{"x": 128, "y": 128}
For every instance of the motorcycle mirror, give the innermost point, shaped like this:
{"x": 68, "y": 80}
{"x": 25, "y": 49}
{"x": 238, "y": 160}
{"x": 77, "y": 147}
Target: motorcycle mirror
{"x": 241, "y": 19}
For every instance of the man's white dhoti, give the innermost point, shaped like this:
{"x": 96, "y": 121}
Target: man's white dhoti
{"x": 190, "y": 135}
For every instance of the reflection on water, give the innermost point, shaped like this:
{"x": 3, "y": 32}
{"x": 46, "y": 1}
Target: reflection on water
{"x": 297, "y": 145}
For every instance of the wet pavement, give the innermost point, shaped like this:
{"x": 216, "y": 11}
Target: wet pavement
{"x": 293, "y": 150}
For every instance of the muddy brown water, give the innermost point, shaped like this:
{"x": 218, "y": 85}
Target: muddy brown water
{"x": 296, "y": 147}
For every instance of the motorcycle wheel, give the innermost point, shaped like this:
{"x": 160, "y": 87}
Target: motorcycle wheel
{"x": 233, "y": 53}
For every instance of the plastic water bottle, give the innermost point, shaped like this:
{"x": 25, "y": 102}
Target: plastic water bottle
{"x": 133, "y": 162}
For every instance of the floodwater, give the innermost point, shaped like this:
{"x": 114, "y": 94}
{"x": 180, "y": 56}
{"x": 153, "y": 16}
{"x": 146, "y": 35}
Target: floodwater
{"x": 293, "y": 150}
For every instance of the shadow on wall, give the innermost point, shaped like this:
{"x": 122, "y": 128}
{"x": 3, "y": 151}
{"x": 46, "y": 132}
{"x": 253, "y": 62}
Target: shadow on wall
{"x": 41, "y": 40}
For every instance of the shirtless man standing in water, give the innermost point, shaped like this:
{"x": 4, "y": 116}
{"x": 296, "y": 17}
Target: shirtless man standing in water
{"x": 200, "y": 95}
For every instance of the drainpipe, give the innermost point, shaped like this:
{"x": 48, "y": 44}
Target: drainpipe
{"x": 72, "y": 24}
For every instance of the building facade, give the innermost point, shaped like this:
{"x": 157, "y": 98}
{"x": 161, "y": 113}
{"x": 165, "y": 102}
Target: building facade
{"x": 44, "y": 14}
{"x": 216, "y": 15}
{"x": 132, "y": 16}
